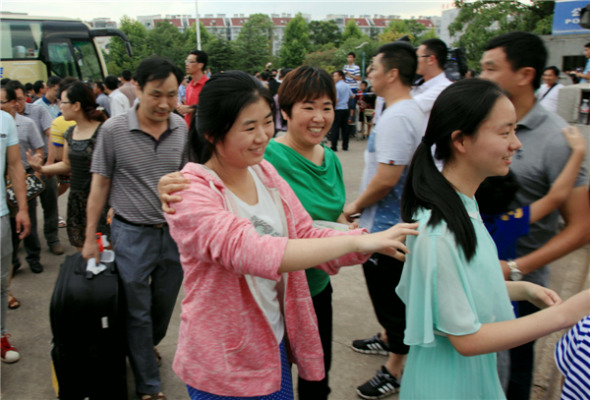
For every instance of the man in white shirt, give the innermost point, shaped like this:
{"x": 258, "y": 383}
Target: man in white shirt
{"x": 432, "y": 56}
{"x": 548, "y": 93}
{"x": 118, "y": 101}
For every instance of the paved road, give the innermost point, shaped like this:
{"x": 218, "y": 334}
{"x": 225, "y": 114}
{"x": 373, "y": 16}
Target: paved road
{"x": 30, "y": 378}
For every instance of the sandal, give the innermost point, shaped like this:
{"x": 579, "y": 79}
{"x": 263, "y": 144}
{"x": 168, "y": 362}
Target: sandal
{"x": 61, "y": 222}
{"x": 13, "y": 303}
{"x": 154, "y": 396}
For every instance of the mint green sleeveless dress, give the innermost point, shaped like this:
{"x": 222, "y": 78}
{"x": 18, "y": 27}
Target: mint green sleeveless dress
{"x": 445, "y": 294}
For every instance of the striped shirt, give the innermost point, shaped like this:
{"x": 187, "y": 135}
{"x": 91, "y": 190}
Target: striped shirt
{"x": 572, "y": 356}
{"x": 42, "y": 119}
{"x": 135, "y": 161}
{"x": 354, "y": 70}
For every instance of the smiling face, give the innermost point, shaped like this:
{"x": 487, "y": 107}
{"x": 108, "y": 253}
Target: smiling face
{"x": 310, "y": 121}
{"x": 489, "y": 151}
{"x": 549, "y": 77}
{"x": 245, "y": 142}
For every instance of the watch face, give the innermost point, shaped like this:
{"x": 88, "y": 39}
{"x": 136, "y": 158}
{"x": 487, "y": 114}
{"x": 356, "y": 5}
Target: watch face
{"x": 515, "y": 275}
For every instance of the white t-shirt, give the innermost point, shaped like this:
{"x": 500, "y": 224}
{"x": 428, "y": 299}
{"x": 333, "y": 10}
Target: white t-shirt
{"x": 549, "y": 98}
{"x": 265, "y": 217}
{"x": 393, "y": 141}
{"x": 426, "y": 94}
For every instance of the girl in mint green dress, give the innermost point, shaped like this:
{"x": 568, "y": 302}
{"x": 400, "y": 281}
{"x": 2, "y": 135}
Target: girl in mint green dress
{"x": 458, "y": 305}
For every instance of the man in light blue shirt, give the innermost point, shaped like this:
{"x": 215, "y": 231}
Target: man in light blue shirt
{"x": 343, "y": 94}
{"x": 49, "y": 99}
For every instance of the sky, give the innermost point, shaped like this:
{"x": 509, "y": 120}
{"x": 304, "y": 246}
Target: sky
{"x": 89, "y": 9}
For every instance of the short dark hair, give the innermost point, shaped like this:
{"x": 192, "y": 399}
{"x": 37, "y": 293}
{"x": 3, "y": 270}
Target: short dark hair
{"x": 10, "y": 93}
{"x": 522, "y": 50}
{"x": 303, "y": 84}
{"x": 402, "y": 56}
{"x": 462, "y": 106}
{"x": 220, "y": 103}
{"x": 111, "y": 82}
{"x": 14, "y": 84}
{"x": 38, "y": 85}
{"x": 552, "y": 68}
{"x": 100, "y": 86}
{"x": 439, "y": 49}
{"x": 28, "y": 86}
{"x": 351, "y": 54}
{"x": 156, "y": 68}
{"x": 126, "y": 74}
{"x": 53, "y": 81}
{"x": 339, "y": 72}
{"x": 587, "y": 44}
{"x": 202, "y": 57}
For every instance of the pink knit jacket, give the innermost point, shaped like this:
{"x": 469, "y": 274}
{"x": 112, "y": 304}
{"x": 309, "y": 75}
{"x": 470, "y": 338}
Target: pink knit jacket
{"x": 226, "y": 345}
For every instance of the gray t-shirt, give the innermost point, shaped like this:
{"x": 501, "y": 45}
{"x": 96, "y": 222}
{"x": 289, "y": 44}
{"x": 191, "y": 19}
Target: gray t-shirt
{"x": 29, "y": 137}
{"x": 537, "y": 164}
{"x": 393, "y": 141}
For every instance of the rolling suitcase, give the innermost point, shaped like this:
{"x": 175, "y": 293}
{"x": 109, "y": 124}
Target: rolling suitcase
{"x": 87, "y": 321}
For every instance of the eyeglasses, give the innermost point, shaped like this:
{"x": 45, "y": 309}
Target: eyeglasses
{"x": 4, "y": 102}
{"x": 67, "y": 102}
{"x": 190, "y": 62}
{"x": 425, "y": 56}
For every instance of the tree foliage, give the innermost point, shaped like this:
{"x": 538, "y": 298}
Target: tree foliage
{"x": 323, "y": 33}
{"x": 296, "y": 43}
{"x": 117, "y": 58}
{"x": 415, "y": 31}
{"x": 351, "y": 30}
{"x": 165, "y": 40}
{"x": 480, "y": 21}
{"x": 221, "y": 54}
{"x": 254, "y": 43}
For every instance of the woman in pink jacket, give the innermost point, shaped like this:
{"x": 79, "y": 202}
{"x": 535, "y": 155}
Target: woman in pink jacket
{"x": 244, "y": 241}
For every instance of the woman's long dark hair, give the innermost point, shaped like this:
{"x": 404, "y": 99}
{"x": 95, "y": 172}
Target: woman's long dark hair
{"x": 462, "y": 106}
{"x": 220, "y": 103}
{"x": 83, "y": 94}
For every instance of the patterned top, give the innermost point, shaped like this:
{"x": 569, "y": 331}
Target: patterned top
{"x": 135, "y": 162}
{"x": 354, "y": 70}
{"x": 572, "y": 356}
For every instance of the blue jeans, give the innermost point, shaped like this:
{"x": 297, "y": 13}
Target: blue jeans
{"x": 148, "y": 263}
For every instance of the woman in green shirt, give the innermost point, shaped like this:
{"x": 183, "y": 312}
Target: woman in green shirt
{"x": 307, "y": 97}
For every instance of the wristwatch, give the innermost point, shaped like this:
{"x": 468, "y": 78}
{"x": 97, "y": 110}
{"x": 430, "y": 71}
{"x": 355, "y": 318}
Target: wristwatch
{"x": 515, "y": 273}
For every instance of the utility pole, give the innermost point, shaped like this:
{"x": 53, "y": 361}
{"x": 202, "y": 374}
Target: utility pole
{"x": 198, "y": 25}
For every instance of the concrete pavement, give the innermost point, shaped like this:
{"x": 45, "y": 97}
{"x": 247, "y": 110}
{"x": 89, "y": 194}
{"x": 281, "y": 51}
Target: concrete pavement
{"x": 30, "y": 378}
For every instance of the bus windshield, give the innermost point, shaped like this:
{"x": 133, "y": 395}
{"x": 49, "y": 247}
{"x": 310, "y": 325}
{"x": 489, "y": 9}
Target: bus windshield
{"x": 20, "y": 39}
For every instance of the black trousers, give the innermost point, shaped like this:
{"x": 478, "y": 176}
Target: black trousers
{"x": 522, "y": 360}
{"x": 340, "y": 124}
{"x": 382, "y": 274}
{"x": 319, "y": 390}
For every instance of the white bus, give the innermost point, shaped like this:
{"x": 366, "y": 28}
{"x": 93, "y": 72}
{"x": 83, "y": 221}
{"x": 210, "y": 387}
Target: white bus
{"x": 35, "y": 48}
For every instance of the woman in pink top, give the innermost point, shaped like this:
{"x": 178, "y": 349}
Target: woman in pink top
{"x": 244, "y": 241}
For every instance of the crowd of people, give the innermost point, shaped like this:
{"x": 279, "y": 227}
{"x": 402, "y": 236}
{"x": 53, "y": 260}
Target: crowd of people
{"x": 457, "y": 217}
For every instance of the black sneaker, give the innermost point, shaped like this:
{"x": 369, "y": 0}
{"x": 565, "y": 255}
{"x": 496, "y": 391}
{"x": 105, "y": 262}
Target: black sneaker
{"x": 372, "y": 345}
{"x": 381, "y": 385}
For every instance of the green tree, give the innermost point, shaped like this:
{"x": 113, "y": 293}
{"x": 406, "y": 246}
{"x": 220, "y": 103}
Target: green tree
{"x": 117, "y": 58}
{"x": 323, "y": 33}
{"x": 190, "y": 37}
{"x": 400, "y": 28}
{"x": 480, "y": 21}
{"x": 221, "y": 54}
{"x": 296, "y": 43}
{"x": 351, "y": 30}
{"x": 254, "y": 43}
{"x": 165, "y": 40}
{"x": 326, "y": 59}
{"x": 358, "y": 47}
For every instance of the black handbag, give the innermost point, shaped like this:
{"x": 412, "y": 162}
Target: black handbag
{"x": 34, "y": 187}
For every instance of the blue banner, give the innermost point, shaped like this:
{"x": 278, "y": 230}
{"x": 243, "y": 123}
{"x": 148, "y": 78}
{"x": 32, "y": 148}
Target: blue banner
{"x": 566, "y": 18}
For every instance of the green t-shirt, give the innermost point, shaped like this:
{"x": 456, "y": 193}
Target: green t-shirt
{"x": 320, "y": 188}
